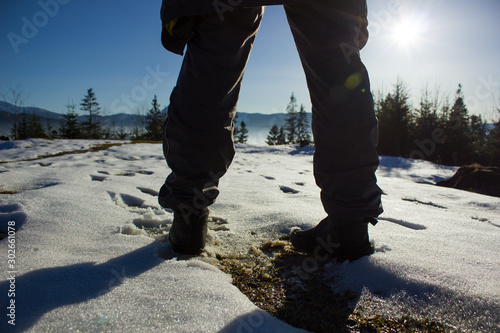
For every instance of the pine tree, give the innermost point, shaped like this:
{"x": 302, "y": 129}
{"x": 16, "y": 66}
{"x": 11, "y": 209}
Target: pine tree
{"x": 29, "y": 126}
{"x": 155, "y": 119}
{"x": 21, "y": 129}
{"x": 395, "y": 122}
{"x": 272, "y": 137}
{"x": 89, "y": 104}
{"x": 457, "y": 130}
{"x": 426, "y": 122}
{"x": 291, "y": 120}
{"x": 282, "y": 136}
{"x": 36, "y": 129}
{"x": 242, "y": 133}
{"x": 70, "y": 128}
{"x": 303, "y": 135}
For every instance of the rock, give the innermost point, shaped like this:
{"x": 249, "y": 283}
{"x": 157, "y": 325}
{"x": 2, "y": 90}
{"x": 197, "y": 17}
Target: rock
{"x": 475, "y": 178}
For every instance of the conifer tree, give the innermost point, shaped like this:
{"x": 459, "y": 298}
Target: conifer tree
{"x": 276, "y": 136}
{"x": 36, "y": 129}
{"x": 291, "y": 120}
{"x": 281, "y": 136}
{"x": 242, "y": 133}
{"x": 154, "y": 121}
{"x": 426, "y": 122}
{"x": 70, "y": 128}
{"x": 303, "y": 126}
{"x": 395, "y": 122}
{"x": 272, "y": 137}
{"x": 89, "y": 105}
{"x": 457, "y": 130}
{"x": 29, "y": 126}
{"x": 22, "y": 127}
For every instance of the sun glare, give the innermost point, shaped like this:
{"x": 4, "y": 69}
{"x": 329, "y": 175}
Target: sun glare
{"x": 407, "y": 32}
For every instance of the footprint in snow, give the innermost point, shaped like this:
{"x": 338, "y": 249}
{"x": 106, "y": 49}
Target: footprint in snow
{"x": 149, "y": 191}
{"x": 269, "y": 177}
{"x": 217, "y": 223}
{"x": 132, "y": 203}
{"x": 155, "y": 224}
{"x": 145, "y": 172}
{"x": 382, "y": 249}
{"x": 287, "y": 189}
{"x": 11, "y": 213}
{"x": 134, "y": 172}
{"x": 98, "y": 178}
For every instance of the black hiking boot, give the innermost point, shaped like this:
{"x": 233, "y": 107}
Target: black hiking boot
{"x": 341, "y": 239}
{"x": 188, "y": 233}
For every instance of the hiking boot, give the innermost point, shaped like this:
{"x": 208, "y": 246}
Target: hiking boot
{"x": 341, "y": 239}
{"x": 188, "y": 233}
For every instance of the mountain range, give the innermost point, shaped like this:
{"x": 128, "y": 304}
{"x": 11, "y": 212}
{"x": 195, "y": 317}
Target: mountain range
{"x": 258, "y": 124}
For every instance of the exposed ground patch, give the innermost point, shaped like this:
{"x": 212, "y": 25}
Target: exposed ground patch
{"x": 95, "y": 148}
{"x": 273, "y": 277}
{"x": 9, "y": 192}
{"x": 303, "y": 298}
{"x": 423, "y": 202}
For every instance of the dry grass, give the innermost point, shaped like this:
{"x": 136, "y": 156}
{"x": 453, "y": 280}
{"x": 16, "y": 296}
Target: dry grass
{"x": 307, "y": 301}
{"x": 96, "y": 148}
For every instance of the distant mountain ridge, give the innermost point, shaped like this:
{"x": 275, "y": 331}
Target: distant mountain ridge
{"x": 258, "y": 124}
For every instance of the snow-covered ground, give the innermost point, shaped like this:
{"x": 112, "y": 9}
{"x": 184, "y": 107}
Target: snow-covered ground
{"x": 81, "y": 263}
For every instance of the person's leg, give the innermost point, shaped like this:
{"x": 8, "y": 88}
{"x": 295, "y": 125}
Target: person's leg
{"x": 344, "y": 125}
{"x": 198, "y": 143}
{"x": 198, "y": 133}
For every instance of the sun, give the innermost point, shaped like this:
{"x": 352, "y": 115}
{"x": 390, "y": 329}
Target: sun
{"x": 407, "y": 32}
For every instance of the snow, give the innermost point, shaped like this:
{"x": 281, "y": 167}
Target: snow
{"x": 83, "y": 263}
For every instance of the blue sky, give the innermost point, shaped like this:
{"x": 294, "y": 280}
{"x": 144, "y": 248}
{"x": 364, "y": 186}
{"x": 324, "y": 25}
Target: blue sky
{"x": 114, "y": 47}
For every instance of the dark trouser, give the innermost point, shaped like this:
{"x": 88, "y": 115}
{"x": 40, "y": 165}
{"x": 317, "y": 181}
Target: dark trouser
{"x": 198, "y": 143}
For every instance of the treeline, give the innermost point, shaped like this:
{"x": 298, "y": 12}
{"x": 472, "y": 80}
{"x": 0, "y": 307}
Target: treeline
{"x": 436, "y": 130}
{"x": 29, "y": 125}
